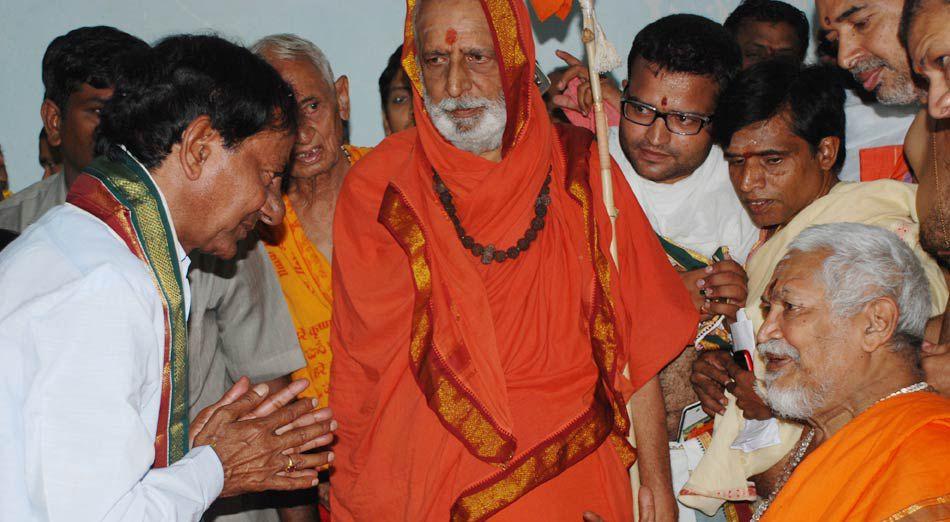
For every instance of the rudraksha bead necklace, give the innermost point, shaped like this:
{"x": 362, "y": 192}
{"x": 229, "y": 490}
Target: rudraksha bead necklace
{"x": 489, "y": 253}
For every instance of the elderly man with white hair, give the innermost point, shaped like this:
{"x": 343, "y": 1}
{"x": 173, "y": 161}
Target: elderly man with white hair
{"x": 480, "y": 330}
{"x": 321, "y": 160}
{"x": 845, "y": 317}
{"x": 301, "y": 247}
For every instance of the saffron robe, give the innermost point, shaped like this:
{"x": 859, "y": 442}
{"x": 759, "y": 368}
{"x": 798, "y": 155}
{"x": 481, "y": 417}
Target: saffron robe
{"x": 466, "y": 390}
{"x": 891, "y": 462}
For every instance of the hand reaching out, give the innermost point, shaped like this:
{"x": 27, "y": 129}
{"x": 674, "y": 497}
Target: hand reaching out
{"x": 713, "y": 372}
{"x": 585, "y": 98}
{"x": 718, "y": 289}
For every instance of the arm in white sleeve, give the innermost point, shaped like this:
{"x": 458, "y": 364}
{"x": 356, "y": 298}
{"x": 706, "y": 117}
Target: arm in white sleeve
{"x": 91, "y": 412}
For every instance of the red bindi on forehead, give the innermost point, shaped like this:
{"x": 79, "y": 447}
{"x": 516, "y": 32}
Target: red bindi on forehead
{"x": 663, "y": 101}
{"x": 451, "y": 36}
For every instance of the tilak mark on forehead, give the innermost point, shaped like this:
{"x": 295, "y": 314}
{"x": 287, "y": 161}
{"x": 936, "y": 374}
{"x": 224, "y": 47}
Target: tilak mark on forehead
{"x": 663, "y": 101}
{"x": 451, "y": 36}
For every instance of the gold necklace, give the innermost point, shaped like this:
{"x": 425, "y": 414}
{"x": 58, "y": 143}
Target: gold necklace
{"x": 940, "y": 203}
{"x": 346, "y": 153}
{"x": 790, "y": 466}
{"x": 799, "y": 454}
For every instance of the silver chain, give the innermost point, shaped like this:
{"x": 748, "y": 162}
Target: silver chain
{"x": 803, "y": 448}
{"x": 786, "y": 474}
{"x": 922, "y": 385}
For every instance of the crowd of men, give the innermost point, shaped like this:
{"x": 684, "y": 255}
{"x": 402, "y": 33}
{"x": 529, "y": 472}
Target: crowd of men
{"x": 214, "y": 307}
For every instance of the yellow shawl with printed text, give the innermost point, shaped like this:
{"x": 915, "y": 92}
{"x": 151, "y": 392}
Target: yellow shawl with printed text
{"x": 304, "y": 275}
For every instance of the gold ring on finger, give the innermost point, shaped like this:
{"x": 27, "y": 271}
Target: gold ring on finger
{"x": 291, "y": 467}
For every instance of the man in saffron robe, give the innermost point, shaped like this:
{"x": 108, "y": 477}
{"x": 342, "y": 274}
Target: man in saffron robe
{"x": 301, "y": 245}
{"x": 480, "y": 330}
{"x": 782, "y": 129}
{"x": 845, "y": 315}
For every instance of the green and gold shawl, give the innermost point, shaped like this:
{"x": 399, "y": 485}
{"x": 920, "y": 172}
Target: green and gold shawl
{"x": 713, "y": 333}
{"x": 123, "y": 195}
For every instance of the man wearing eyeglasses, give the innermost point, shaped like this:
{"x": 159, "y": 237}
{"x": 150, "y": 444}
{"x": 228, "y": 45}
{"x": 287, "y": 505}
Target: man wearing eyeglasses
{"x": 677, "y": 67}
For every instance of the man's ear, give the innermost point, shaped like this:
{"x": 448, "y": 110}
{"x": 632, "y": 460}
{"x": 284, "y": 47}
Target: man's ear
{"x": 879, "y": 320}
{"x": 52, "y": 120}
{"x": 197, "y": 146}
{"x": 828, "y": 152}
{"x": 386, "y": 124}
{"x": 342, "y": 85}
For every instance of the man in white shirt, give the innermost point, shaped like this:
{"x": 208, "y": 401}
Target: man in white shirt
{"x": 238, "y": 322}
{"x": 94, "y": 405}
{"x": 676, "y": 68}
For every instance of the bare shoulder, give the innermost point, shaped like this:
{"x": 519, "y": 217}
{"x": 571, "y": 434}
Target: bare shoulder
{"x": 916, "y": 141}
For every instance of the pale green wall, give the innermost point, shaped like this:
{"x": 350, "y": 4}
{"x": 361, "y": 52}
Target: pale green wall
{"x": 357, "y": 36}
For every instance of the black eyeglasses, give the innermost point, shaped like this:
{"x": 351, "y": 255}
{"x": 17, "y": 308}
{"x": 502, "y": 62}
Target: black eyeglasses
{"x": 682, "y": 123}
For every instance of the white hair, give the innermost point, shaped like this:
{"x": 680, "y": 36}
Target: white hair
{"x": 292, "y": 47}
{"x": 865, "y": 263}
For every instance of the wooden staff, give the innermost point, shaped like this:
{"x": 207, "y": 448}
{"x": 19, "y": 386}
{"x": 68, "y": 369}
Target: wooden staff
{"x": 600, "y": 121}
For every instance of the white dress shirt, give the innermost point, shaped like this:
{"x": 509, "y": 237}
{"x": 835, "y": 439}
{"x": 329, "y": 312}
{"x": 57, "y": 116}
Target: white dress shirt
{"x": 81, "y": 351}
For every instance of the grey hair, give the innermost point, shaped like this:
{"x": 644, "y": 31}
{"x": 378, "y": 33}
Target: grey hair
{"x": 292, "y": 47}
{"x": 865, "y": 263}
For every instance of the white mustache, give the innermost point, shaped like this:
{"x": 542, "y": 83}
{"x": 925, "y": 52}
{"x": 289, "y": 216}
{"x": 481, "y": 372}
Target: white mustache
{"x": 465, "y": 102}
{"x": 867, "y": 65}
{"x": 477, "y": 133}
{"x": 779, "y": 348}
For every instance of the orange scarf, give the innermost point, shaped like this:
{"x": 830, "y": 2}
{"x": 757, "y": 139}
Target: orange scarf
{"x": 304, "y": 275}
{"x": 892, "y": 462}
{"x": 466, "y": 390}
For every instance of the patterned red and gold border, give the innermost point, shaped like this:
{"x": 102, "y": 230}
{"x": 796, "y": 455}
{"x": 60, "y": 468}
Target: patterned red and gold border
{"x": 457, "y": 407}
{"x": 461, "y": 412}
{"x": 126, "y": 200}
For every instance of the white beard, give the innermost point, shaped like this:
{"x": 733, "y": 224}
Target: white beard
{"x": 793, "y": 403}
{"x": 901, "y": 92}
{"x": 478, "y": 134}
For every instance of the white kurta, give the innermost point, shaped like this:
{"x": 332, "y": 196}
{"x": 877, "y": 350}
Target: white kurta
{"x": 81, "y": 351}
{"x": 700, "y": 212}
